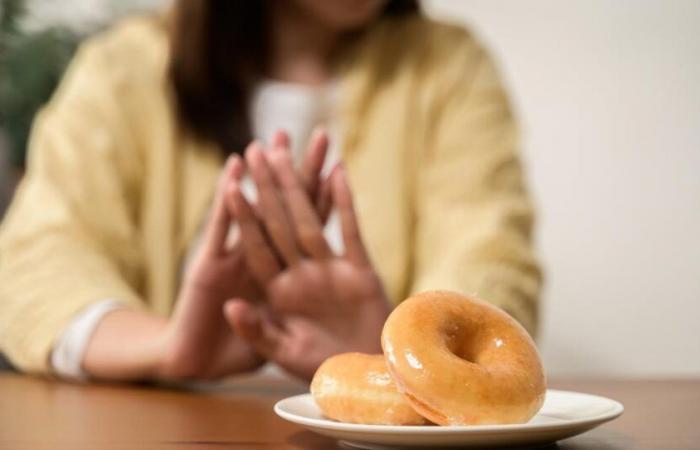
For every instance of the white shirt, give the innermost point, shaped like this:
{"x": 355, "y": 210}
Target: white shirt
{"x": 274, "y": 105}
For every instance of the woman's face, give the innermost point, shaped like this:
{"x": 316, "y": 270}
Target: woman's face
{"x": 340, "y": 15}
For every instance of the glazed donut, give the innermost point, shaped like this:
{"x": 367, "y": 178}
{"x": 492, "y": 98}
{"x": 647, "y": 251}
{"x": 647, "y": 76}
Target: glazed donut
{"x": 448, "y": 359}
{"x": 357, "y": 388}
{"x": 461, "y": 361}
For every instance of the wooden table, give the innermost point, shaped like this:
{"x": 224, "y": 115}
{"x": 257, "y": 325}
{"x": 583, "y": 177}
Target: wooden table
{"x": 41, "y": 414}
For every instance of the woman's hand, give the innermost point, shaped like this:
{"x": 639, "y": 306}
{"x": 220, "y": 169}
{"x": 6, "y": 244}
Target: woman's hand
{"x": 196, "y": 342}
{"x": 200, "y": 343}
{"x": 319, "y": 303}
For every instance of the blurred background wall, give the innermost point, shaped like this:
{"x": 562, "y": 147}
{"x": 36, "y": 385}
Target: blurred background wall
{"x": 608, "y": 93}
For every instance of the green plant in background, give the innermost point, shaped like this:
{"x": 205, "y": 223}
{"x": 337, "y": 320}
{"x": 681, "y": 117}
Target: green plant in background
{"x": 31, "y": 65}
{"x": 9, "y": 13}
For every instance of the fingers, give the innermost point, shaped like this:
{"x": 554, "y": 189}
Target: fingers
{"x": 280, "y": 139}
{"x": 274, "y": 215}
{"x": 219, "y": 221}
{"x": 307, "y": 226}
{"x": 312, "y": 165}
{"x": 342, "y": 198}
{"x": 260, "y": 258}
{"x": 317, "y": 189}
{"x": 291, "y": 223}
{"x": 314, "y": 159}
{"x": 254, "y": 327}
{"x": 324, "y": 199}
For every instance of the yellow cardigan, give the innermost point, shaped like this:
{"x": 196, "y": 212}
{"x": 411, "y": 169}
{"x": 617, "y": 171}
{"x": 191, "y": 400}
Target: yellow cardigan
{"x": 115, "y": 191}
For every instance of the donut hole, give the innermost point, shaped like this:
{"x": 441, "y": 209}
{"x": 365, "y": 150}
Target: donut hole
{"x": 460, "y": 340}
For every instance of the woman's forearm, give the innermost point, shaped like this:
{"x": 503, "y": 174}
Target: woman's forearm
{"x": 127, "y": 345}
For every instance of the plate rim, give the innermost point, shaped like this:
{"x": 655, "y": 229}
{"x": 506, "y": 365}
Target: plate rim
{"x": 331, "y": 425}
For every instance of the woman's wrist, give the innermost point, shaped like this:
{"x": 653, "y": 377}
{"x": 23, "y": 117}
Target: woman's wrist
{"x": 126, "y": 345}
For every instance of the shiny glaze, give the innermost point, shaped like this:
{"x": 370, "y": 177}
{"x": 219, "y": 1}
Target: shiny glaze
{"x": 461, "y": 361}
{"x": 358, "y": 388}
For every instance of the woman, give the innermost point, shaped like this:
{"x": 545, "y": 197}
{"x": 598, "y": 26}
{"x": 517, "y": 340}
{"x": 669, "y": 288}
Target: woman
{"x": 115, "y": 262}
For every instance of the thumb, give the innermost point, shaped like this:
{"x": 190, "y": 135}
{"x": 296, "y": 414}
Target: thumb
{"x": 253, "y": 326}
{"x": 243, "y": 318}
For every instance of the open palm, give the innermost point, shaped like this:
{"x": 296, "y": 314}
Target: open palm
{"x": 318, "y": 303}
{"x": 199, "y": 341}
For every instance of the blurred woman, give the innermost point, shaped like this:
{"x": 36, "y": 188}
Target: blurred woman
{"x": 165, "y": 229}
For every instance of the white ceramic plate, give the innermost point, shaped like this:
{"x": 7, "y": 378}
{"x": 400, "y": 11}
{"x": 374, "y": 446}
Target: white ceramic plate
{"x": 563, "y": 415}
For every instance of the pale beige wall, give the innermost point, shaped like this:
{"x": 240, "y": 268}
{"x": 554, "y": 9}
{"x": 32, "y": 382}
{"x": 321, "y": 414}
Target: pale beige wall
{"x": 609, "y": 94}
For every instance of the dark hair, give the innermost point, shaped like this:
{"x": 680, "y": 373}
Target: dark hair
{"x": 219, "y": 49}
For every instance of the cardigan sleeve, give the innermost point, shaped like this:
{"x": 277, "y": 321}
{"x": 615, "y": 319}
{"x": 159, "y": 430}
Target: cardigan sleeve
{"x": 473, "y": 217}
{"x": 70, "y": 237}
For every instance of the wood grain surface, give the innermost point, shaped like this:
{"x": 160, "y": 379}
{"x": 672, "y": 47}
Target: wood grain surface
{"x": 39, "y": 414}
